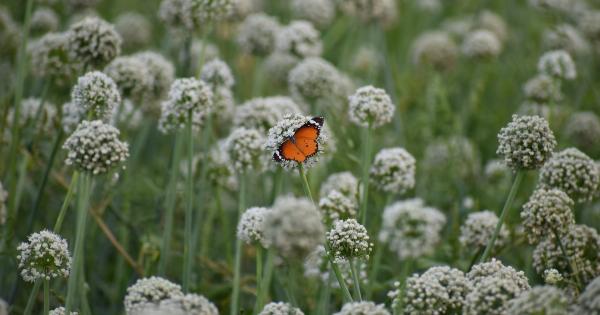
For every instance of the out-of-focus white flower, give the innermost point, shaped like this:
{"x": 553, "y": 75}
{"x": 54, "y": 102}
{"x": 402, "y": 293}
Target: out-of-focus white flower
{"x": 97, "y": 95}
{"x": 573, "y": 172}
{"x": 477, "y": 231}
{"x": 548, "y": 211}
{"x": 280, "y": 308}
{"x": 363, "y": 308}
{"x": 435, "y": 49}
{"x": 299, "y": 39}
{"x": 318, "y": 12}
{"x": 371, "y": 107}
{"x": 93, "y": 42}
{"x": 257, "y": 34}
{"x": 245, "y": 149}
{"x": 393, "y": 170}
{"x": 251, "y": 227}
{"x": 151, "y": 290}
{"x": 482, "y": 44}
{"x": 559, "y": 64}
{"x": 186, "y": 96}
{"x": 134, "y": 28}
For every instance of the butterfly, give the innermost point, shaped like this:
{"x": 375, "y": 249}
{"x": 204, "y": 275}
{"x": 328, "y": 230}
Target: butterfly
{"x": 303, "y": 144}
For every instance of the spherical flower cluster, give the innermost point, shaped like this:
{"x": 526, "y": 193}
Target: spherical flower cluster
{"x": 50, "y": 57}
{"x": 435, "y": 49}
{"x": 3, "y": 199}
{"x": 95, "y": 147}
{"x": 543, "y": 89}
{"x": 97, "y": 95}
{"x": 251, "y": 226}
{"x": 257, "y": 34}
{"x": 493, "y": 22}
{"x": 526, "y": 142}
{"x": 478, "y": 229}
{"x": 370, "y": 107}
{"x": 559, "y": 64}
{"x": 411, "y": 229}
{"x": 439, "y": 290}
{"x": 245, "y": 149}
{"x": 32, "y": 109}
{"x": 456, "y": 155}
{"x": 552, "y": 277}
{"x": 583, "y": 130}
{"x": 264, "y": 113}
{"x": 393, "y": 170}
{"x": 481, "y": 44}
{"x": 189, "y": 304}
{"x": 566, "y": 37}
{"x": 278, "y": 65}
{"x": 318, "y": 12}
{"x": 293, "y": 227}
{"x": 219, "y": 169}
{"x": 493, "y": 285}
{"x": 61, "y": 311}
{"x": 151, "y": 290}
{"x": 44, "y": 256}
{"x": 312, "y": 79}
{"x": 93, "y": 42}
{"x": 343, "y": 182}
{"x": 539, "y": 300}
{"x": 243, "y": 8}
{"x": 280, "y": 308}
{"x": 192, "y": 14}
{"x": 582, "y": 245}
{"x": 160, "y": 70}
{"x": 383, "y": 12}
{"x": 573, "y": 172}
{"x": 337, "y": 206}
{"x": 131, "y": 76}
{"x": 589, "y": 23}
{"x": 363, "y": 308}
{"x": 186, "y": 96}
{"x": 284, "y": 130}
{"x": 44, "y": 20}
{"x": 217, "y": 74}
{"x": 589, "y": 300}
{"x": 548, "y": 211}
{"x": 299, "y": 39}
{"x": 175, "y": 14}
{"x": 496, "y": 170}
{"x": 348, "y": 239}
{"x": 135, "y": 30}
{"x": 72, "y": 114}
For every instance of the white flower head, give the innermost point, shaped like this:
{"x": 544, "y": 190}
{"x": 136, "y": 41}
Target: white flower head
{"x": 299, "y": 39}
{"x": 548, "y": 211}
{"x": 343, "y": 182}
{"x": 526, "y": 142}
{"x": 186, "y": 96}
{"x": 337, "y": 206}
{"x": 559, "y": 64}
{"x": 95, "y": 147}
{"x": 217, "y": 73}
{"x": 481, "y": 44}
{"x": 393, "y": 170}
{"x": 573, "y": 172}
{"x": 44, "y": 256}
{"x": 349, "y": 239}
{"x": 135, "y": 30}
{"x": 435, "y": 49}
{"x": 151, "y": 290}
{"x": 245, "y": 149}
{"x": 370, "y": 107}
{"x": 477, "y": 230}
{"x": 411, "y": 229}
{"x": 257, "y": 34}
{"x": 94, "y": 42}
{"x": 251, "y": 227}
{"x": 318, "y": 12}
{"x": 264, "y": 113}
{"x": 131, "y": 76}
{"x": 280, "y": 308}
{"x": 97, "y": 94}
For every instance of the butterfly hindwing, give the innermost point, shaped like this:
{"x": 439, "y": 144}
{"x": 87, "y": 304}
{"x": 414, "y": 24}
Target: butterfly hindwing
{"x": 290, "y": 151}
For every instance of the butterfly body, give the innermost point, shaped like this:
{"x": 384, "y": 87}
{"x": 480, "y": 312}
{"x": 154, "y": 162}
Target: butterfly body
{"x": 303, "y": 144}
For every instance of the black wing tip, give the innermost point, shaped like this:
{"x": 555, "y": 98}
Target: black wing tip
{"x": 318, "y": 120}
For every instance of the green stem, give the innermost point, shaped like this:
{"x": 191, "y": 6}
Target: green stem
{"x": 259, "y": 269}
{"x": 265, "y": 282}
{"x": 19, "y": 84}
{"x": 235, "y": 294}
{"x": 31, "y": 300}
{"x": 187, "y": 248}
{"x": 170, "y": 207}
{"x": 357, "y": 294}
{"x": 325, "y": 296}
{"x": 46, "y": 296}
{"x": 76, "y": 276}
{"x": 291, "y": 285}
{"x": 509, "y": 200}
{"x": 569, "y": 260}
{"x": 225, "y": 223}
{"x": 305, "y": 183}
{"x": 340, "y": 278}
{"x": 366, "y": 164}
{"x": 374, "y": 270}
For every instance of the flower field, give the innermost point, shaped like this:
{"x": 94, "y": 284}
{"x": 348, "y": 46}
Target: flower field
{"x": 277, "y": 157}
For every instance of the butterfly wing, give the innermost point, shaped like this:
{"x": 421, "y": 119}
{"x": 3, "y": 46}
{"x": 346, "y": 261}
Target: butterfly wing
{"x": 289, "y": 151}
{"x": 304, "y": 143}
{"x": 306, "y": 140}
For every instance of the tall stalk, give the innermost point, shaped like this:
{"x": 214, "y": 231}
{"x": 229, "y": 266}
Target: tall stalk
{"x": 568, "y": 259}
{"x": 235, "y": 294}
{"x": 509, "y": 200}
{"x": 259, "y": 270}
{"x": 170, "y": 207}
{"x": 357, "y": 294}
{"x": 46, "y": 296}
{"x": 265, "y": 282}
{"x": 305, "y": 183}
{"x": 189, "y": 215}
{"x": 76, "y": 276}
{"x": 366, "y": 164}
{"x": 340, "y": 278}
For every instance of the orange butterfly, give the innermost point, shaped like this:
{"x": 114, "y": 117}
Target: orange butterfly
{"x": 303, "y": 144}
